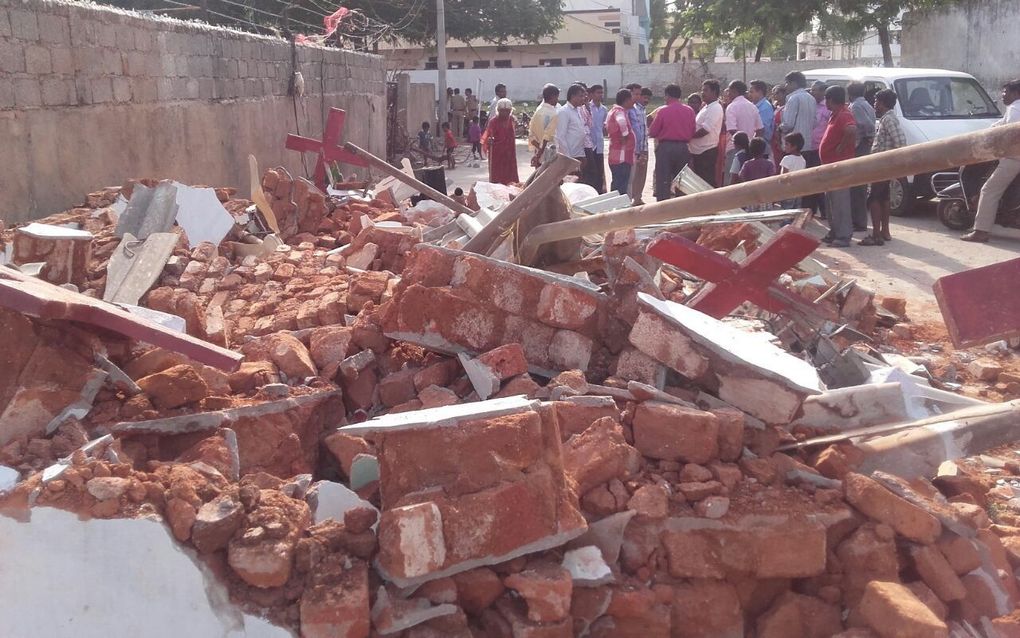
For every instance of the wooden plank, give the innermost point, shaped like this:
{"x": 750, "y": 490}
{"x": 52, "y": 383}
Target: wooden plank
{"x": 401, "y": 176}
{"x": 551, "y": 176}
{"x": 46, "y": 301}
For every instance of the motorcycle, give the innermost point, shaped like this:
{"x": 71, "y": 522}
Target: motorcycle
{"x": 523, "y": 121}
{"x": 958, "y": 192}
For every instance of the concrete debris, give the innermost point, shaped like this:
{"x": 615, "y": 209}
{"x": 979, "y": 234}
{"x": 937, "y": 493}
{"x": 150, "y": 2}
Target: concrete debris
{"x": 361, "y": 430}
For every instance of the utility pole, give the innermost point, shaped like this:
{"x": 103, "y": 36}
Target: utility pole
{"x": 441, "y": 59}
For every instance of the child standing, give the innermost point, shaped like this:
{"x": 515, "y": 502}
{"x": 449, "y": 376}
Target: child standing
{"x": 742, "y": 144}
{"x": 475, "y": 137}
{"x": 757, "y": 167}
{"x": 792, "y": 162}
{"x": 425, "y": 138}
{"x": 450, "y": 142}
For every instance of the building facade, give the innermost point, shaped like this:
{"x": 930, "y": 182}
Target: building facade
{"x": 594, "y": 32}
{"x": 866, "y": 50}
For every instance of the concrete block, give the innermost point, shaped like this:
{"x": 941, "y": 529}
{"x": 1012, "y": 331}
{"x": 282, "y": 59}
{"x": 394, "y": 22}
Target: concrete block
{"x": 6, "y": 95}
{"x": 143, "y": 40}
{"x": 121, "y": 90}
{"x": 106, "y": 35}
{"x": 12, "y": 58}
{"x": 58, "y": 92}
{"x": 125, "y": 40}
{"x": 61, "y": 61}
{"x": 101, "y": 90}
{"x": 136, "y": 63}
{"x": 112, "y": 63}
{"x": 37, "y": 60}
{"x": 83, "y": 90}
{"x": 24, "y": 25}
{"x": 55, "y": 30}
{"x": 27, "y": 92}
{"x": 5, "y": 24}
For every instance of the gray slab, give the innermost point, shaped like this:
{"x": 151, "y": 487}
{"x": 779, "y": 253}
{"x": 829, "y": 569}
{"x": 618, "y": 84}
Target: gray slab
{"x": 136, "y": 265}
{"x": 150, "y": 210}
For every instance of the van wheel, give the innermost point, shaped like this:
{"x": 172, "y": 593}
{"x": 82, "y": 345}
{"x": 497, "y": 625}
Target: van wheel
{"x": 901, "y": 197}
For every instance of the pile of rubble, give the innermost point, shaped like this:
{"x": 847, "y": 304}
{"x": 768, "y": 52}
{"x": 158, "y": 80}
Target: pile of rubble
{"x": 381, "y": 436}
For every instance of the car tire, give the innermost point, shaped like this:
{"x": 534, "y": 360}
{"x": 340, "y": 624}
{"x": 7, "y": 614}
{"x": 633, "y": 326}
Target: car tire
{"x": 953, "y": 214}
{"x": 901, "y": 197}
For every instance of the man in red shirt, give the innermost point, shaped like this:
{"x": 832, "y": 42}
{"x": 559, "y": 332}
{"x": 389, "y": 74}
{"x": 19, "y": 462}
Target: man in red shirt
{"x": 838, "y": 144}
{"x": 672, "y": 128}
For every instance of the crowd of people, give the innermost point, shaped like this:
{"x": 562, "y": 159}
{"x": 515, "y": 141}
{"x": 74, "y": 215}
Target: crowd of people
{"x": 740, "y": 133}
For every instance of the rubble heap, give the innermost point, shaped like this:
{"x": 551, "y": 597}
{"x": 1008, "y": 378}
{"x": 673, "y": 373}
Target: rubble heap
{"x": 420, "y": 441}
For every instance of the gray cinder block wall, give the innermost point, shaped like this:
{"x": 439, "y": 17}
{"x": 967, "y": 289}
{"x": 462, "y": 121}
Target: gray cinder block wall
{"x": 91, "y": 96}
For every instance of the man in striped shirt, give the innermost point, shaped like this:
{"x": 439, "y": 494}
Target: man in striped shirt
{"x": 639, "y": 128}
{"x": 888, "y": 135}
{"x": 621, "y": 142}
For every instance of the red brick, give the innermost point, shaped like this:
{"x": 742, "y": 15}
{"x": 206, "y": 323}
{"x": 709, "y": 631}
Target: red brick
{"x": 174, "y": 387}
{"x": 707, "y": 609}
{"x": 675, "y": 433}
{"x": 505, "y": 361}
{"x": 876, "y": 502}
{"x": 546, "y": 589}
{"x": 891, "y": 605}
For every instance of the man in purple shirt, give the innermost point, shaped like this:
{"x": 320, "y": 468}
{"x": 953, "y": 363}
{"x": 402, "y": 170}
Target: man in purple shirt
{"x": 672, "y": 128}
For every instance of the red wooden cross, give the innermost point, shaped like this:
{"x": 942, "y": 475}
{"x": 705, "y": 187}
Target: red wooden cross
{"x": 328, "y": 149}
{"x": 731, "y": 283}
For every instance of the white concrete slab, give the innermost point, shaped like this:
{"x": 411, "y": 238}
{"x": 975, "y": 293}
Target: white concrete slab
{"x": 61, "y": 576}
{"x": 754, "y": 350}
{"x": 330, "y": 500}
{"x": 201, "y": 215}
{"x": 8, "y": 478}
{"x": 49, "y": 231}
{"x": 442, "y": 416}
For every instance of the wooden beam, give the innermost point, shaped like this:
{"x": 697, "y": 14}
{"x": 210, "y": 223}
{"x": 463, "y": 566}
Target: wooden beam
{"x": 551, "y": 176}
{"x": 399, "y": 175}
{"x": 959, "y": 150}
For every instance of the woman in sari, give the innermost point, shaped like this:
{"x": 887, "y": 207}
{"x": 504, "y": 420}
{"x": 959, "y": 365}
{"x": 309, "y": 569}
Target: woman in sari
{"x": 500, "y": 141}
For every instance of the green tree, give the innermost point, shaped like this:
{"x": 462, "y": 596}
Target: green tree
{"x": 747, "y": 25}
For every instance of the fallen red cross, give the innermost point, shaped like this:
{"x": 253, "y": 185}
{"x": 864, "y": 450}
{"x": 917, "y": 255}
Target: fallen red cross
{"x": 752, "y": 280}
{"x": 328, "y": 150}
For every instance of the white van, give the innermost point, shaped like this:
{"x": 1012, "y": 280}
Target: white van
{"x": 933, "y": 104}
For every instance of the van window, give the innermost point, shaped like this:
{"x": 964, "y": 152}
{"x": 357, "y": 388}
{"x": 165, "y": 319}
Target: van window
{"x": 935, "y": 98}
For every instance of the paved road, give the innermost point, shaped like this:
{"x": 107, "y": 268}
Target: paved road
{"x": 922, "y": 249}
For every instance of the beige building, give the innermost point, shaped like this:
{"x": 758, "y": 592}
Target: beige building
{"x": 592, "y": 34}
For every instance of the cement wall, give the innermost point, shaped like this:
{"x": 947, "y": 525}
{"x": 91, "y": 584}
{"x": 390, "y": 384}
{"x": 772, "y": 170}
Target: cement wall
{"x": 91, "y": 96}
{"x": 526, "y": 84}
{"x": 416, "y": 103}
{"x": 976, "y": 36}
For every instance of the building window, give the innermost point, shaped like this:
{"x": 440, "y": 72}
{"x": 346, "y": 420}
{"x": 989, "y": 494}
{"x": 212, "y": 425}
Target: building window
{"x": 503, "y": 64}
{"x": 502, "y": 49}
{"x": 577, "y": 61}
{"x": 455, "y": 65}
{"x": 551, "y": 62}
{"x": 612, "y": 24}
{"x": 626, "y": 40}
{"x": 615, "y": 31}
{"x": 576, "y": 46}
{"x": 480, "y": 64}
{"x": 431, "y": 65}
